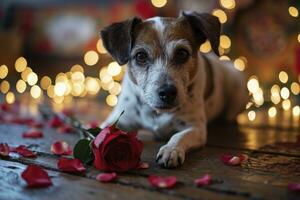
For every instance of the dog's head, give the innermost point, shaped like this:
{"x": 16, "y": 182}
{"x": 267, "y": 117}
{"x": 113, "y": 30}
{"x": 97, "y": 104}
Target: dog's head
{"x": 162, "y": 54}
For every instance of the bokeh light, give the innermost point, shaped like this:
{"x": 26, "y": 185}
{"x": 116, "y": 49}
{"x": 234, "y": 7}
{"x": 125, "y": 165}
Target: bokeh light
{"x": 91, "y": 58}
{"x": 205, "y": 47}
{"x": 286, "y": 104}
{"x": 296, "y": 110}
{"x": 159, "y": 3}
{"x": 220, "y": 14}
{"x": 111, "y": 100}
{"x": 35, "y": 92}
{"x": 45, "y": 82}
{"x": 32, "y": 78}
{"x": 284, "y": 93}
{"x": 283, "y": 77}
{"x": 10, "y": 98}
{"x": 3, "y": 71}
{"x": 272, "y": 112}
{"x": 251, "y": 115}
{"x": 225, "y": 41}
{"x": 293, "y": 11}
{"x": 100, "y": 48}
{"x": 228, "y": 4}
{"x": 4, "y": 86}
{"x": 114, "y": 69}
{"x": 20, "y": 64}
{"x": 21, "y": 86}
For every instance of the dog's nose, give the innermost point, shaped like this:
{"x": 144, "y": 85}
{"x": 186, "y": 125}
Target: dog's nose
{"x": 167, "y": 94}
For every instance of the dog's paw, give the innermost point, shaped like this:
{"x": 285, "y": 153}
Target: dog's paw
{"x": 169, "y": 156}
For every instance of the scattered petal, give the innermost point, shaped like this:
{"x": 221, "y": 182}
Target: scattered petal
{"x": 229, "y": 159}
{"x": 162, "y": 182}
{"x": 33, "y": 133}
{"x": 70, "y": 165}
{"x": 55, "y": 122}
{"x": 203, "y": 181}
{"x": 36, "y": 176}
{"x": 143, "y": 165}
{"x": 4, "y": 149}
{"x": 61, "y": 148}
{"x": 5, "y": 107}
{"x": 66, "y": 129}
{"x": 22, "y": 150}
{"x": 106, "y": 177}
{"x": 294, "y": 187}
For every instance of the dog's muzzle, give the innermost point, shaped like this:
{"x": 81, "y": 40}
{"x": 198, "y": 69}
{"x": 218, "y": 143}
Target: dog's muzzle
{"x": 167, "y": 94}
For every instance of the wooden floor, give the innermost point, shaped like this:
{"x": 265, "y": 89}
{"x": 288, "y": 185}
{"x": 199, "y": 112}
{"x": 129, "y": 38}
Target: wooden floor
{"x": 273, "y": 163}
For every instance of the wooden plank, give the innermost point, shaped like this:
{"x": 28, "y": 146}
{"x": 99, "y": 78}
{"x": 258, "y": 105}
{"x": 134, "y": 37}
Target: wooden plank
{"x": 66, "y": 186}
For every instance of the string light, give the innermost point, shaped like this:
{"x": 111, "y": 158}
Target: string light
{"x": 25, "y": 73}
{"x": 50, "y": 91}
{"x": 111, "y": 100}
{"x": 205, "y": 47}
{"x": 225, "y": 41}
{"x": 4, "y": 87}
{"x": 20, "y": 64}
{"x": 45, "y": 82}
{"x": 295, "y": 88}
{"x": 91, "y": 58}
{"x": 286, "y": 104}
{"x": 253, "y": 84}
{"x": 272, "y": 112}
{"x": 100, "y": 47}
{"x": 159, "y": 3}
{"x": 77, "y": 68}
{"x": 32, "y": 78}
{"x": 228, "y": 4}
{"x": 251, "y": 115}
{"x": 92, "y": 85}
{"x": 239, "y": 64}
{"x": 114, "y": 69}
{"x": 21, "y": 86}
{"x": 293, "y": 11}
{"x": 220, "y": 14}
{"x": 10, "y": 98}
{"x": 60, "y": 89}
{"x": 283, "y": 77}
{"x": 3, "y": 71}
{"x": 296, "y": 111}
{"x": 285, "y": 93}
{"x": 224, "y": 58}
{"x": 35, "y": 92}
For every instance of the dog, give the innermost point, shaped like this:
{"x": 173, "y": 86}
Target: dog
{"x": 170, "y": 88}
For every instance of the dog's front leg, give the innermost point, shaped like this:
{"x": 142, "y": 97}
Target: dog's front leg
{"x": 173, "y": 153}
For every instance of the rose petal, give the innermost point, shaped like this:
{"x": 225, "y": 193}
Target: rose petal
{"x": 106, "y": 177}
{"x": 5, "y": 107}
{"x": 162, "y": 182}
{"x": 294, "y": 187}
{"x": 22, "y": 150}
{"x": 229, "y": 159}
{"x": 33, "y": 133}
{"x": 70, "y": 165}
{"x": 101, "y": 136}
{"x": 66, "y": 129}
{"x": 204, "y": 180}
{"x": 143, "y": 165}
{"x": 61, "y": 148}
{"x": 4, "y": 149}
{"x": 55, "y": 122}
{"x": 35, "y": 176}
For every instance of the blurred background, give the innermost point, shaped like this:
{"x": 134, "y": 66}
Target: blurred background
{"x": 50, "y": 51}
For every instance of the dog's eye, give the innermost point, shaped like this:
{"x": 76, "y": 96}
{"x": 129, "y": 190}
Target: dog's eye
{"x": 181, "y": 56}
{"x": 141, "y": 57}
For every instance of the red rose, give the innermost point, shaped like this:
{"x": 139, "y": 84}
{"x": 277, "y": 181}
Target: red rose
{"x": 116, "y": 150}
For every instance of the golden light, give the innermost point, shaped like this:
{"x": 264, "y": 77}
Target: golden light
{"x": 35, "y": 91}
{"x": 225, "y": 41}
{"x": 293, "y": 11}
{"x": 20, "y": 64}
{"x": 258, "y": 97}
{"x": 101, "y": 49}
{"x": 272, "y": 112}
{"x": 77, "y": 68}
{"x": 225, "y": 58}
{"x": 32, "y": 78}
{"x": 228, "y": 4}
{"x": 220, "y": 14}
{"x": 111, "y": 100}
{"x": 10, "y": 98}
{"x": 91, "y": 58}
{"x": 25, "y": 73}
{"x": 275, "y": 98}
{"x": 78, "y": 77}
{"x": 251, "y": 115}
{"x": 92, "y": 85}
{"x": 3, "y": 71}
{"x": 159, "y": 3}
{"x": 77, "y": 89}
{"x": 286, "y": 104}
{"x": 239, "y": 64}
{"x": 4, "y": 87}
{"x": 114, "y": 69}
{"x": 58, "y": 100}
{"x": 50, "y": 91}
{"x": 116, "y": 89}
{"x": 295, "y": 88}
{"x": 296, "y": 111}
{"x": 285, "y": 93}
{"x": 283, "y": 77}
{"x": 104, "y": 75}
{"x": 253, "y": 84}
{"x": 205, "y": 47}
{"x": 275, "y": 89}
{"x": 299, "y": 37}
{"x": 45, "y": 82}
{"x": 21, "y": 86}
{"x": 60, "y": 89}
{"x": 107, "y": 85}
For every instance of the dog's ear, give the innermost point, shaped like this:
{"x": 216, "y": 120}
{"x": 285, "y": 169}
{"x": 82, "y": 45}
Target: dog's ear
{"x": 117, "y": 39}
{"x": 205, "y": 26}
